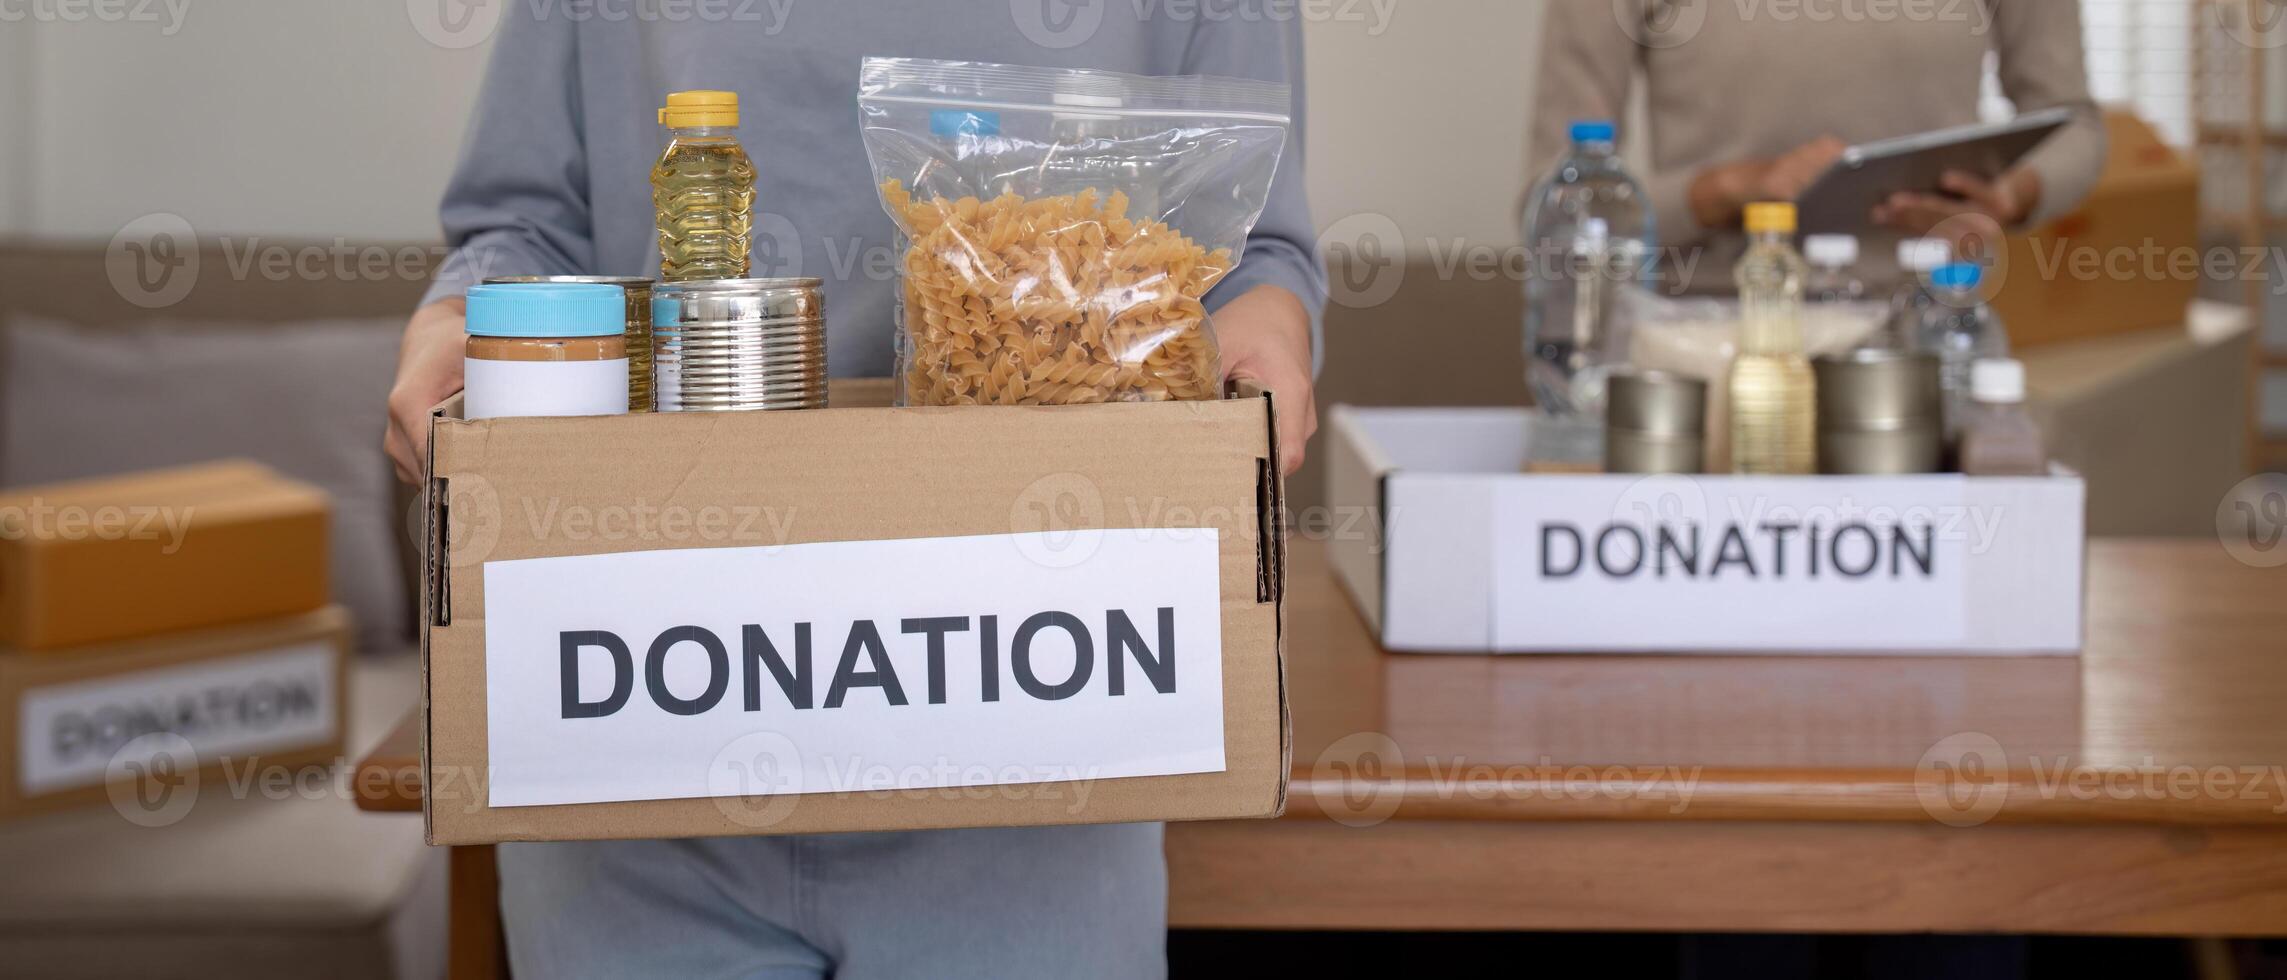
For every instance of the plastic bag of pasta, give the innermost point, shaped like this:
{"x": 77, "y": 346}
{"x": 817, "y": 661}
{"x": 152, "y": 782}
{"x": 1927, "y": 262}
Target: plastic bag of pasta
{"x": 1060, "y": 228}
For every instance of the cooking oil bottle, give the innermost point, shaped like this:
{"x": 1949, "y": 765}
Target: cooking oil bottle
{"x": 703, "y": 189}
{"x": 1774, "y": 427}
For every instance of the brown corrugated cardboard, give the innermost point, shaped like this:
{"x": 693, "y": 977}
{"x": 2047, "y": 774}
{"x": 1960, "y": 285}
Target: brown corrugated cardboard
{"x": 92, "y": 561}
{"x": 217, "y": 710}
{"x": 853, "y": 474}
{"x": 2127, "y": 259}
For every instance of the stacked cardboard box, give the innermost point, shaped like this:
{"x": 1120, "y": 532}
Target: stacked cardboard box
{"x": 2128, "y": 259}
{"x": 161, "y": 625}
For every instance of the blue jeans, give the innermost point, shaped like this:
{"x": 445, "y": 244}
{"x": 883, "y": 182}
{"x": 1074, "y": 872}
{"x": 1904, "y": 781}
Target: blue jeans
{"x": 1002, "y": 903}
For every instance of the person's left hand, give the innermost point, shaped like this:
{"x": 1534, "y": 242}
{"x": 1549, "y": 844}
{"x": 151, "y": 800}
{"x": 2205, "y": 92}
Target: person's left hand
{"x": 1265, "y": 337}
{"x": 2005, "y": 203}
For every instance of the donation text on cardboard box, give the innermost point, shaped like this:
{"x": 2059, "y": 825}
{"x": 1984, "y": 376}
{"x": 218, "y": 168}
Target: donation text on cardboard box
{"x": 862, "y": 665}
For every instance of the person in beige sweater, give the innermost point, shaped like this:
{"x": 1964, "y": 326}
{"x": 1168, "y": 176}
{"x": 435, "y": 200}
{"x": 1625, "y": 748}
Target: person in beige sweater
{"x": 1750, "y": 100}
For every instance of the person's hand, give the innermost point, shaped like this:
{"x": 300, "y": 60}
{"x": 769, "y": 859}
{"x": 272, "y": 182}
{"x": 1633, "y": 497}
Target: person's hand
{"x": 428, "y": 372}
{"x": 1265, "y": 337}
{"x": 1970, "y": 207}
{"x": 1721, "y": 193}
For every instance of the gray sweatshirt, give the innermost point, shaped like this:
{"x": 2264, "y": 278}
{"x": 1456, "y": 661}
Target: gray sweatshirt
{"x": 1729, "y": 80}
{"x": 554, "y": 176}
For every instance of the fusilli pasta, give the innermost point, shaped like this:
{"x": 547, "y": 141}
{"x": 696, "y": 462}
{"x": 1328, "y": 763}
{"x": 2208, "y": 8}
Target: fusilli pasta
{"x": 1051, "y": 301}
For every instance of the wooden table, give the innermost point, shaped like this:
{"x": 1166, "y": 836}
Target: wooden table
{"x": 2134, "y": 790}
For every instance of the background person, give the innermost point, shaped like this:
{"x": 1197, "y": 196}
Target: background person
{"x": 1752, "y": 101}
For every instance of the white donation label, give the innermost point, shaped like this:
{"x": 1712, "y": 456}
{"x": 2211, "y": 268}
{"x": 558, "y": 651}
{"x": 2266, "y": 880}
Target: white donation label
{"x": 1678, "y": 563}
{"x": 233, "y": 706}
{"x": 852, "y": 666}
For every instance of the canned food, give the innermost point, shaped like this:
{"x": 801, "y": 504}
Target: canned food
{"x": 736, "y": 345}
{"x": 1655, "y": 422}
{"x": 1916, "y": 448}
{"x": 638, "y": 334}
{"x": 1880, "y": 413}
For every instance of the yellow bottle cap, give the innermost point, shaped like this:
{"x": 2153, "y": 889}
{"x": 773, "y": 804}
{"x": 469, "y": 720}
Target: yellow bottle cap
{"x": 1771, "y": 218}
{"x": 703, "y": 108}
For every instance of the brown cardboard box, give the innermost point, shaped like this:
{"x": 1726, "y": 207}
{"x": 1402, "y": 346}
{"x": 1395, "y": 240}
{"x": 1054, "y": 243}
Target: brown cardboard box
{"x": 643, "y": 487}
{"x": 96, "y": 560}
{"x": 198, "y": 712}
{"x": 2128, "y": 259}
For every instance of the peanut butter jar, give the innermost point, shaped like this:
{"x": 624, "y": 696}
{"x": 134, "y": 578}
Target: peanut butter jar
{"x": 546, "y": 349}
{"x": 638, "y": 328}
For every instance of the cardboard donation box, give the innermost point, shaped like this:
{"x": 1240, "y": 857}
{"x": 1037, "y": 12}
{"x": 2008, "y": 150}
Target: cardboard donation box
{"x": 150, "y": 724}
{"x": 702, "y": 624}
{"x": 2127, "y": 259}
{"x": 107, "y": 559}
{"x": 1462, "y": 553}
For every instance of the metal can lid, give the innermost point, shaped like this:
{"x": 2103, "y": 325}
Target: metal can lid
{"x": 1655, "y": 402}
{"x": 623, "y": 282}
{"x": 1877, "y": 388}
{"x": 737, "y": 300}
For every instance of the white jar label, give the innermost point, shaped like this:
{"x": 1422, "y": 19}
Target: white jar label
{"x": 507, "y": 389}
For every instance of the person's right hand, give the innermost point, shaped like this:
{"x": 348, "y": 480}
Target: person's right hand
{"x": 1720, "y": 194}
{"x": 428, "y": 372}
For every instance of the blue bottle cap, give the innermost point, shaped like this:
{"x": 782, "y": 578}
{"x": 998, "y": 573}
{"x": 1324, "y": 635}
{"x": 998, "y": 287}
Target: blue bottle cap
{"x": 547, "y": 309}
{"x": 1594, "y": 131}
{"x": 948, "y": 123}
{"x": 1957, "y": 275}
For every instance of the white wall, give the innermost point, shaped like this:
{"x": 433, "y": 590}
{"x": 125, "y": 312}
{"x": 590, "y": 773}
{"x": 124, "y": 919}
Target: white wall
{"x": 1425, "y": 121}
{"x": 15, "y": 118}
{"x": 253, "y": 117}
{"x": 238, "y": 117}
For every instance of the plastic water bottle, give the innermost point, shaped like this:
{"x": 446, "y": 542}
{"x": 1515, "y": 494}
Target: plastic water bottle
{"x": 1590, "y": 230}
{"x": 1831, "y": 258}
{"x": 1960, "y": 330}
{"x": 1917, "y": 259}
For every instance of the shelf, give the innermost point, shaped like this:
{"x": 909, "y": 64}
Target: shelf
{"x": 2271, "y": 454}
{"x": 2211, "y": 134}
{"x": 2239, "y": 220}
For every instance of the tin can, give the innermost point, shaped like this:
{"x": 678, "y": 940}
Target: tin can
{"x": 1880, "y": 413}
{"x": 1655, "y": 422}
{"x": 638, "y": 328}
{"x": 739, "y": 345}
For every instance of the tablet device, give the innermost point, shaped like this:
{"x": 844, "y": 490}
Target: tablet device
{"x": 1843, "y": 198}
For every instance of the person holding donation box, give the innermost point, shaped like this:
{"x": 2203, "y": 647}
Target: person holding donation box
{"x": 552, "y": 181}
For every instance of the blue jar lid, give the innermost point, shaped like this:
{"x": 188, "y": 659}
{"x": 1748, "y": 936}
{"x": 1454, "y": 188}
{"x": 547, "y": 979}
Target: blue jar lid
{"x": 1957, "y": 275}
{"x": 1594, "y": 131}
{"x": 547, "y": 309}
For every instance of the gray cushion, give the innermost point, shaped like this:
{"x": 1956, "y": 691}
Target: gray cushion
{"x": 306, "y": 398}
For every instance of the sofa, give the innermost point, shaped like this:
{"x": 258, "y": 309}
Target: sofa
{"x": 287, "y": 370}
